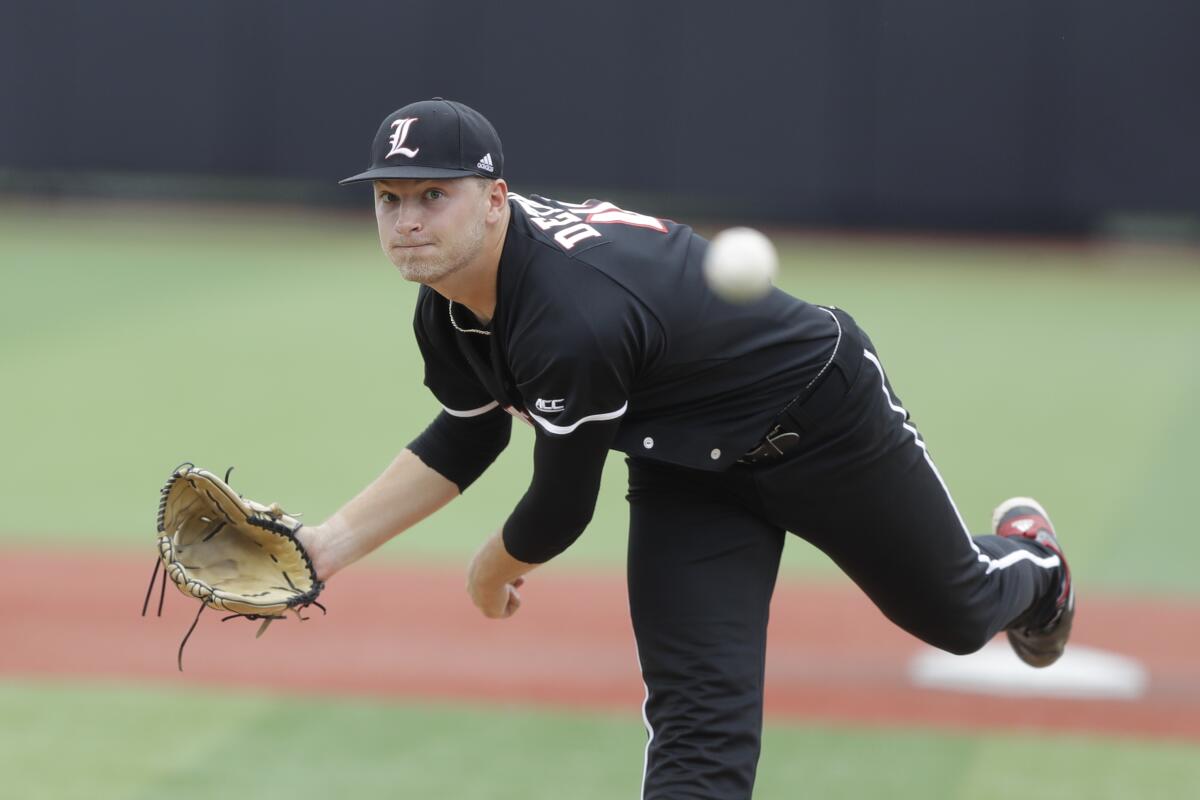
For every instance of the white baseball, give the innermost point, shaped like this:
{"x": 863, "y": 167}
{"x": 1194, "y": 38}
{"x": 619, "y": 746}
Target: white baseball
{"x": 740, "y": 264}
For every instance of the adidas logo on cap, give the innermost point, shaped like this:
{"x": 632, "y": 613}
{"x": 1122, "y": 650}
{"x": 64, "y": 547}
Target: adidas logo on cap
{"x": 485, "y": 163}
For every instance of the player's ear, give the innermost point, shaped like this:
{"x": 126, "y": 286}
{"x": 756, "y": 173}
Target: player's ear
{"x": 497, "y": 199}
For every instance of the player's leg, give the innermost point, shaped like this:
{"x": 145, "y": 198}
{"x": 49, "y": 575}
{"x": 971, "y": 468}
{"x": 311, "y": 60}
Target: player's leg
{"x": 701, "y": 572}
{"x": 866, "y": 491}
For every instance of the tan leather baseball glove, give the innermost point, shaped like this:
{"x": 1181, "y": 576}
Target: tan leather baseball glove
{"x": 230, "y": 553}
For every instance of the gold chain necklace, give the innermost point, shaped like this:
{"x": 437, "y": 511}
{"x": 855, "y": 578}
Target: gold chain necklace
{"x": 450, "y": 308}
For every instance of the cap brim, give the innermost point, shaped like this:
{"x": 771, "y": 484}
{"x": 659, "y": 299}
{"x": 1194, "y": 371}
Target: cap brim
{"x": 398, "y": 173}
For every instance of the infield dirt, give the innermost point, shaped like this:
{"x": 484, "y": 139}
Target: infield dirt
{"x": 410, "y": 632}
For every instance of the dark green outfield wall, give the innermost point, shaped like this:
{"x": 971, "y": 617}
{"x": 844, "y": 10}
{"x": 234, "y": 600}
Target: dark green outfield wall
{"x": 1021, "y": 114}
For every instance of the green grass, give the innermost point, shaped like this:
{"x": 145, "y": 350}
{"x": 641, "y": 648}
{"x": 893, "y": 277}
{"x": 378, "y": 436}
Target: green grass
{"x": 132, "y": 339}
{"x": 108, "y": 741}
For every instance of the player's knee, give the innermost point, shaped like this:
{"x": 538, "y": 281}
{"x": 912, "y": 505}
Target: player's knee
{"x": 956, "y": 630}
{"x": 963, "y": 643}
{"x": 963, "y": 633}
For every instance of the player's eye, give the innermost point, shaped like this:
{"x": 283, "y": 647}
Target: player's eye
{"x": 386, "y": 197}
{"x": 434, "y": 194}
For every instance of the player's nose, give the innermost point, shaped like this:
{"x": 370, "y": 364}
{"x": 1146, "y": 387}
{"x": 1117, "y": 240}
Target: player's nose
{"x": 408, "y": 221}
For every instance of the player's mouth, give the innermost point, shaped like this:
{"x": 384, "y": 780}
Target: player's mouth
{"x": 411, "y": 246}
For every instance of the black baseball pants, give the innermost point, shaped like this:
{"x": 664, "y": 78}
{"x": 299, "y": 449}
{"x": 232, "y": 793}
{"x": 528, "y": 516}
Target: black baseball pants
{"x": 704, "y": 551}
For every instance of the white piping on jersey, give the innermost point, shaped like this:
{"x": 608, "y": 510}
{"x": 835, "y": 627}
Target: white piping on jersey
{"x": 474, "y": 412}
{"x": 1045, "y": 562}
{"x": 552, "y": 428}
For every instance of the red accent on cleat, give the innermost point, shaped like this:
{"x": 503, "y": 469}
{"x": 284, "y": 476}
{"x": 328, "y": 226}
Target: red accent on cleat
{"x": 1038, "y": 646}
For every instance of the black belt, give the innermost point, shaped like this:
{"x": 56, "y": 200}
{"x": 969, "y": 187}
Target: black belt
{"x": 817, "y": 402}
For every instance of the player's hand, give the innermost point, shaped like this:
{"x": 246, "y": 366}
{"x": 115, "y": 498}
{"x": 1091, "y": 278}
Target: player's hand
{"x": 496, "y": 602}
{"x": 493, "y": 578}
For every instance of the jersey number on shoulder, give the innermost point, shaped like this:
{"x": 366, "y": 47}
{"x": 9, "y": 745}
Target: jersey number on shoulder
{"x": 575, "y": 220}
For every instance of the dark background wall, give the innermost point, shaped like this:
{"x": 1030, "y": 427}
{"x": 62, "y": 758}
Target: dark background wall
{"x": 1022, "y": 114}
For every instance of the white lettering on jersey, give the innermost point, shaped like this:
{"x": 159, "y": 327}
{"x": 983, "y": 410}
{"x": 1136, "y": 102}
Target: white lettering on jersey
{"x": 577, "y": 228}
{"x": 400, "y": 130}
{"x": 604, "y": 212}
{"x": 532, "y": 207}
{"x": 574, "y": 230}
{"x": 549, "y": 406}
{"x": 569, "y": 237}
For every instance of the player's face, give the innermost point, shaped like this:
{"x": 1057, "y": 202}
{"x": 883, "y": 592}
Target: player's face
{"x": 431, "y": 228}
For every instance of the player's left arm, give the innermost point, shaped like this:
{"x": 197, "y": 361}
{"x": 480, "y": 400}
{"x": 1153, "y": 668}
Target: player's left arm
{"x": 552, "y": 514}
{"x": 573, "y": 363}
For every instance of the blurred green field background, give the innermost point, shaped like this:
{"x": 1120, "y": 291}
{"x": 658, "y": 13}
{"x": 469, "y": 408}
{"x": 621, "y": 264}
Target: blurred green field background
{"x": 134, "y": 338}
{"x": 241, "y": 744}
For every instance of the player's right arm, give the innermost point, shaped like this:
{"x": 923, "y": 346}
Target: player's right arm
{"x": 437, "y": 466}
{"x": 405, "y": 493}
{"x": 434, "y": 469}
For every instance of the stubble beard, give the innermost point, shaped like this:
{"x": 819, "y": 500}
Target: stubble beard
{"x": 445, "y": 259}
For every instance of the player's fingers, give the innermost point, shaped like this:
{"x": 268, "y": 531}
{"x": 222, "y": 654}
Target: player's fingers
{"x": 518, "y": 583}
{"x": 514, "y": 602}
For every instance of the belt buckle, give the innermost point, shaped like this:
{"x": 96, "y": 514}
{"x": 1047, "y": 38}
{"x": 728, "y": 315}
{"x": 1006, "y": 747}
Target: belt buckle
{"x": 774, "y": 445}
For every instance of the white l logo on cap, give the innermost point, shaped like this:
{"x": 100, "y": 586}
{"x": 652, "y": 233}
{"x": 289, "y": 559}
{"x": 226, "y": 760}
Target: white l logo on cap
{"x": 400, "y": 130}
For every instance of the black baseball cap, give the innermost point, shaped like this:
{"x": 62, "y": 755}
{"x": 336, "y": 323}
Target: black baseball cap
{"x": 434, "y": 139}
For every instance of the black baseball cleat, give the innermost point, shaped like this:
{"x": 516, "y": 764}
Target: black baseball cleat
{"x": 1039, "y": 641}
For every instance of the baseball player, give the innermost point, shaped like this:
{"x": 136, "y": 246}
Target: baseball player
{"x": 739, "y": 422}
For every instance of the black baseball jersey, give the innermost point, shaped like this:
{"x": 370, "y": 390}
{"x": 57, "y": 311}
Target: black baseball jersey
{"x": 603, "y": 314}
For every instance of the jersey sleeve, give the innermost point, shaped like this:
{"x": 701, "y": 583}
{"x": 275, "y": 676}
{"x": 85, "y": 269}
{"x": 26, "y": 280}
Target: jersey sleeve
{"x": 575, "y": 367}
{"x": 561, "y": 497}
{"x": 461, "y": 449}
{"x": 447, "y": 373}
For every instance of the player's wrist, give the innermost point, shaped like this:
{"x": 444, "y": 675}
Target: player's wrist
{"x": 493, "y": 577}
{"x": 316, "y": 541}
